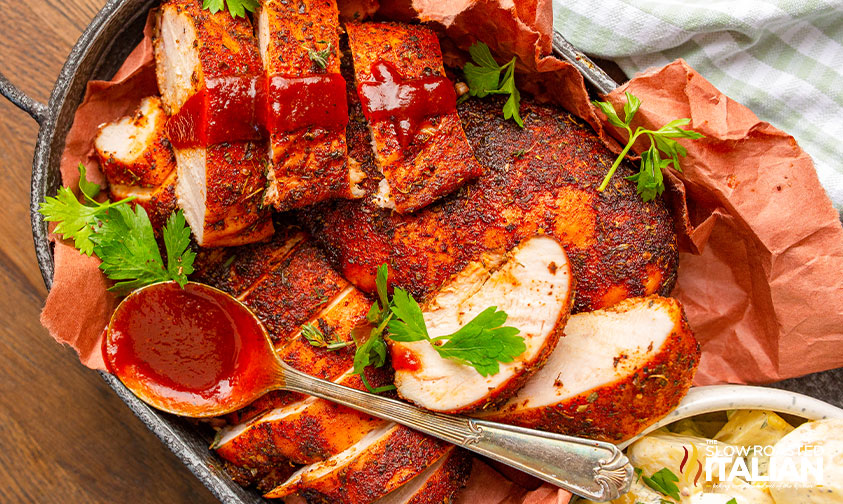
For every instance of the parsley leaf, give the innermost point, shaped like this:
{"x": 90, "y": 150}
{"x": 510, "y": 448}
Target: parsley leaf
{"x": 121, "y": 237}
{"x": 732, "y": 501}
{"x": 317, "y": 338}
{"x": 664, "y": 481}
{"x": 176, "y": 234}
{"x": 127, "y": 248}
{"x": 664, "y": 149}
{"x": 89, "y": 189}
{"x": 237, "y": 8}
{"x": 483, "y": 343}
{"x": 484, "y": 77}
{"x": 76, "y": 220}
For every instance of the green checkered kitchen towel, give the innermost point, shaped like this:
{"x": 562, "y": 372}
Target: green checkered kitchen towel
{"x": 781, "y": 58}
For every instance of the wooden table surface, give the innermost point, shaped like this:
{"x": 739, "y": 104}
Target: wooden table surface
{"x": 64, "y": 435}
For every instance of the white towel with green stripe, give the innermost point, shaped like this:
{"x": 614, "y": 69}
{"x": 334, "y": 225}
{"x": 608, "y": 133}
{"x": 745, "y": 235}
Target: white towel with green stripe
{"x": 781, "y": 58}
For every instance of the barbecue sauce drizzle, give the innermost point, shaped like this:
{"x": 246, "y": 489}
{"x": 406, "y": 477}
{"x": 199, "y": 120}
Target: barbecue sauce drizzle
{"x": 406, "y": 103}
{"x": 235, "y": 109}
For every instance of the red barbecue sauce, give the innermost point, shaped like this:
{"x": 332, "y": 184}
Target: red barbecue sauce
{"x": 403, "y": 359}
{"x": 228, "y": 109}
{"x": 404, "y": 102}
{"x": 188, "y": 348}
{"x": 236, "y": 109}
{"x": 301, "y": 102}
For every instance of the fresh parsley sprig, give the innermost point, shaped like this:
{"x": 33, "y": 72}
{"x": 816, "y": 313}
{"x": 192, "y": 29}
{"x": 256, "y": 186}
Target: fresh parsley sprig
{"x": 484, "y": 77}
{"x": 664, "y": 482}
{"x": 371, "y": 348}
{"x": 483, "y": 343}
{"x": 664, "y": 149}
{"x": 237, "y": 8}
{"x": 121, "y": 237}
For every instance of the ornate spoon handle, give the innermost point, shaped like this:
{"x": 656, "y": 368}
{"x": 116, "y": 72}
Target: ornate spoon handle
{"x": 592, "y": 469}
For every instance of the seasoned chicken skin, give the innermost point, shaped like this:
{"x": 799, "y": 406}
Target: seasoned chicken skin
{"x": 542, "y": 178}
{"x": 532, "y": 283}
{"x": 380, "y": 462}
{"x": 308, "y": 165}
{"x": 615, "y": 372}
{"x": 438, "y": 159}
{"x": 220, "y": 187}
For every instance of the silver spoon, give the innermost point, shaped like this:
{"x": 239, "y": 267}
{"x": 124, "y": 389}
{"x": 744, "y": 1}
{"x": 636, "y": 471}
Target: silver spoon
{"x": 208, "y": 355}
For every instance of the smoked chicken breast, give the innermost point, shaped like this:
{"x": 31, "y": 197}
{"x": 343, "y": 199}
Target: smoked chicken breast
{"x": 220, "y": 187}
{"x": 380, "y": 462}
{"x": 615, "y": 372}
{"x": 302, "y": 46}
{"x": 542, "y": 178}
{"x": 133, "y": 151}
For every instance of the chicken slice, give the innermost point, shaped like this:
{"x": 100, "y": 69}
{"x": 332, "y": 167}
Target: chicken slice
{"x": 532, "y": 283}
{"x": 380, "y": 462}
{"x": 133, "y": 150}
{"x": 308, "y": 164}
{"x": 438, "y": 158}
{"x": 615, "y": 372}
{"x": 220, "y": 187}
{"x": 437, "y": 484}
{"x": 138, "y": 161}
{"x": 236, "y": 270}
{"x": 194, "y": 47}
{"x": 294, "y": 292}
{"x": 542, "y": 177}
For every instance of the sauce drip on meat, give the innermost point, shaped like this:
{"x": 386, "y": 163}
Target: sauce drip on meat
{"x": 301, "y": 102}
{"x": 194, "y": 346}
{"x": 235, "y": 109}
{"x": 226, "y": 110}
{"x": 405, "y": 102}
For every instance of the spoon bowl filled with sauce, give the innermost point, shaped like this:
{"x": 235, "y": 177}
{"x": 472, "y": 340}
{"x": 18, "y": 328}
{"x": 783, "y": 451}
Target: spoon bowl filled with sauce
{"x": 194, "y": 351}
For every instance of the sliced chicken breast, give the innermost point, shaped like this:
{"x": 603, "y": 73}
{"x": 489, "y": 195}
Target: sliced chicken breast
{"x": 437, "y": 484}
{"x": 308, "y": 164}
{"x": 303, "y": 432}
{"x": 193, "y": 46}
{"x": 532, "y": 283}
{"x": 133, "y": 150}
{"x": 438, "y": 158}
{"x": 138, "y": 161}
{"x": 380, "y": 462}
{"x": 615, "y": 372}
{"x": 220, "y": 187}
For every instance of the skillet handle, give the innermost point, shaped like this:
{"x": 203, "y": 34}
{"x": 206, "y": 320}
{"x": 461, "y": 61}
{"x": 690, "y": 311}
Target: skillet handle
{"x": 21, "y": 100}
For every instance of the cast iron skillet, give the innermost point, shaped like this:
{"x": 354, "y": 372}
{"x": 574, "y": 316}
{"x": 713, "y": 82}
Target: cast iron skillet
{"x": 98, "y": 53}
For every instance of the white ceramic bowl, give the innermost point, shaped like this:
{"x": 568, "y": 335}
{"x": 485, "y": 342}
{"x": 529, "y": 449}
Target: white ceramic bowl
{"x": 730, "y": 397}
